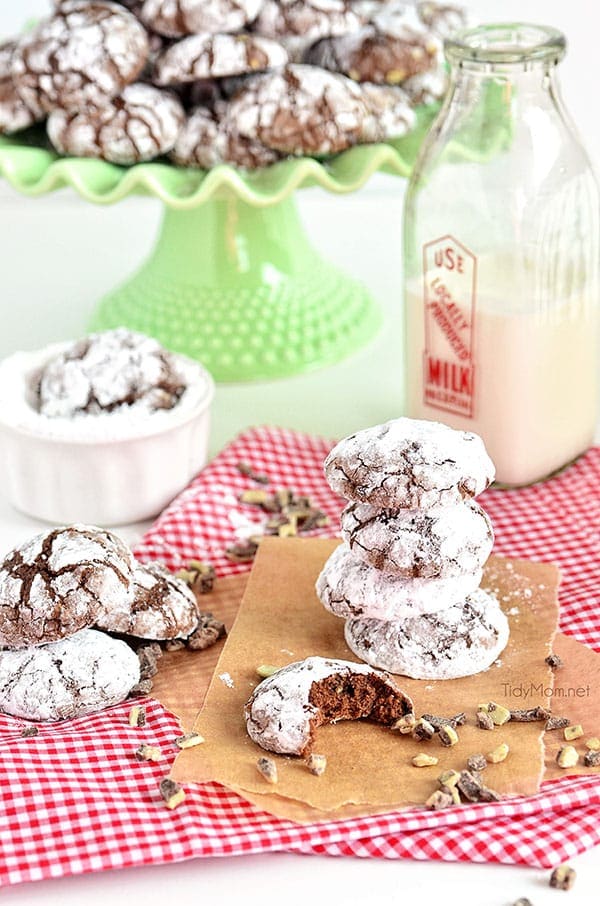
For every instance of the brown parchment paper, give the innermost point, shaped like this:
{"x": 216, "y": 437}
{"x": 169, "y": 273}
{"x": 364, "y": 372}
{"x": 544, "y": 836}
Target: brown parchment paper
{"x": 369, "y": 768}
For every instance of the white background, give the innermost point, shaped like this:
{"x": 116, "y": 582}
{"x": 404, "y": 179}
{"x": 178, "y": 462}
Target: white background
{"x": 58, "y": 255}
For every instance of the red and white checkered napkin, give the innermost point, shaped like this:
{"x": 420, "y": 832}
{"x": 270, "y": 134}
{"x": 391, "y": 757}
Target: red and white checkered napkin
{"x": 74, "y": 799}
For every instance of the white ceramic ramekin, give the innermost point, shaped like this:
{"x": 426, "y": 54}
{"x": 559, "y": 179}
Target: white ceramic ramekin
{"x": 98, "y": 469}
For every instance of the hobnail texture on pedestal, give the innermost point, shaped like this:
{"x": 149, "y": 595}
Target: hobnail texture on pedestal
{"x": 241, "y": 289}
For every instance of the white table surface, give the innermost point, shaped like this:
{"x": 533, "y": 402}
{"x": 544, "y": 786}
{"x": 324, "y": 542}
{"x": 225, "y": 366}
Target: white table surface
{"x": 57, "y": 256}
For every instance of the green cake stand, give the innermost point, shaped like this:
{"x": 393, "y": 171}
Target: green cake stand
{"x": 233, "y": 279}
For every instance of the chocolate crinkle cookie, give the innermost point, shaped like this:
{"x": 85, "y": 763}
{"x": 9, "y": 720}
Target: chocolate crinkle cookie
{"x": 301, "y": 110}
{"x": 85, "y": 54}
{"x": 441, "y": 543}
{"x": 56, "y": 584}
{"x": 285, "y": 710}
{"x": 443, "y": 18}
{"x": 217, "y": 56}
{"x": 409, "y": 463}
{"x": 176, "y": 18}
{"x": 106, "y": 371}
{"x": 162, "y": 607}
{"x": 14, "y": 112}
{"x": 209, "y": 137}
{"x": 137, "y": 125}
{"x": 68, "y": 678}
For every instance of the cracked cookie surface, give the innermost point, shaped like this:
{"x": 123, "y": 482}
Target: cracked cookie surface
{"x": 137, "y": 125}
{"x": 217, "y": 56}
{"x": 209, "y": 138}
{"x": 285, "y": 710}
{"x": 14, "y": 113}
{"x": 428, "y": 544}
{"x": 409, "y": 463}
{"x": 56, "y": 584}
{"x": 69, "y": 678}
{"x": 162, "y": 607}
{"x": 460, "y": 641}
{"x": 85, "y": 54}
{"x": 349, "y": 587}
{"x": 176, "y": 18}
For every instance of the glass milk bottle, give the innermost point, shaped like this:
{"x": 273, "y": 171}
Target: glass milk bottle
{"x": 501, "y": 254}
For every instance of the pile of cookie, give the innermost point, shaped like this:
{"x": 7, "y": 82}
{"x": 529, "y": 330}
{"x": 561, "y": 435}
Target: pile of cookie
{"x": 245, "y": 82}
{"x": 53, "y": 590}
{"x": 407, "y": 578}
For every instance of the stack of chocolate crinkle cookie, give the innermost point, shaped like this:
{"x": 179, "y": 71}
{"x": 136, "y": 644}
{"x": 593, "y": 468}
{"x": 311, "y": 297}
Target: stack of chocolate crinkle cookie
{"x": 53, "y": 590}
{"x": 245, "y": 82}
{"x": 407, "y": 578}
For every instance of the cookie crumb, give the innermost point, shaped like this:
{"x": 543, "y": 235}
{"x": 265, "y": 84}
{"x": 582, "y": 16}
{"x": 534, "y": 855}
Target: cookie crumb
{"x": 189, "y": 740}
{"x": 439, "y": 800}
{"x": 199, "y": 576}
{"x": 484, "y": 721}
{"x": 448, "y": 736}
{"x": 530, "y": 714}
{"x": 266, "y": 670}
{"x": 207, "y": 633}
{"x": 174, "y": 644}
{"x": 567, "y": 757}
{"x": 148, "y": 753}
{"x": 268, "y": 769}
{"x": 424, "y": 761}
{"x": 554, "y": 661}
{"x": 172, "y": 793}
{"x": 247, "y": 471}
{"x": 28, "y": 732}
{"x": 498, "y": 754}
{"x": 437, "y": 722}
{"x": 563, "y": 877}
{"x": 316, "y": 764}
{"x": 423, "y": 730}
{"x": 593, "y": 743}
{"x": 573, "y": 732}
{"x": 137, "y": 716}
{"x": 242, "y": 552}
{"x": 591, "y": 759}
{"x": 557, "y": 723}
{"x": 477, "y": 762}
{"x": 144, "y": 687}
{"x": 405, "y": 724}
{"x": 499, "y": 714}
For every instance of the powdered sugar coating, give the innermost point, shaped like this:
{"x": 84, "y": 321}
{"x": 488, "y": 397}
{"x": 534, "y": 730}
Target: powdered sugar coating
{"x": 437, "y": 543}
{"x": 349, "y": 587}
{"x": 107, "y": 370}
{"x": 57, "y": 583}
{"x": 409, "y": 463}
{"x": 161, "y": 607}
{"x": 308, "y": 20}
{"x": 426, "y": 87}
{"x": 459, "y": 641}
{"x": 67, "y": 679}
{"x": 14, "y": 113}
{"x": 371, "y": 55}
{"x": 140, "y": 124}
{"x": 176, "y": 18}
{"x": 392, "y": 115}
{"x": 209, "y": 137}
{"x": 211, "y": 56}
{"x": 279, "y": 715}
{"x": 301, "y": 110}
{"x": 85, "y": 54}
{"x": 443, "y": 18}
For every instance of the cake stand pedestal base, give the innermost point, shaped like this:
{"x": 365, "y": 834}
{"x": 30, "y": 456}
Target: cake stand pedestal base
{"x": 241, "y": 288}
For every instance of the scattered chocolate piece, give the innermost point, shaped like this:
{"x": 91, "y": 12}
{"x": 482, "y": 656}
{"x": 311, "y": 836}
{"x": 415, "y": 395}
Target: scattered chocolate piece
{"x": 530, "y": 714}
{"x": 28, "y": 732}
{"x": 424, "y": 761}
{"x": 557, "y": 723}
{"x": 247, "y": 471}
{"x": 437, "y": 722}
{"x": 476, "y": 762}
{"x": 498, "y": 754}
{"x": 484, "y": 721}
{"x": 567, "y": 757}
{"x": 208, "y": 632}
{"x": 137, "y": 716}
{"x": 453, "y": 792}
{"x": 171, "y": 792}
{"x": 423, "y": 730}
{"x": 254, "y": 497}
{"x": 448, "y": 736}
{"x": 591, "y": 759}
{"x": 266, "y": 670}
{"x": 144, "y": 687}
{"x": 189, "y": 740}
{"x": 268, "y": 768}
{"x": 499, "y": 714}
{"x": 148, "y": 753}
{"x": 148, "y": 656}
{"x": 593, "y": 743}
{"x": 449, "y": 778}
{"x": 316, "y": 764}
{"x": 554, "y": 661}
{"x": 405, "y": 724}
{"x": 563, "y": 877}
{"x": 439, "y": 800}
{"x": 174, "y": 644}
{"x": 489, "y": 795}
{"x": 470, "y": 786}
{"x": 573, "y": 732}
{"x": 242, "y": 551}
{"x": 199, "y": 576}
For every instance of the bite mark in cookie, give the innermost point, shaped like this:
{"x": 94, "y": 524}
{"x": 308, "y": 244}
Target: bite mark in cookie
{"x": 285, "y": 710}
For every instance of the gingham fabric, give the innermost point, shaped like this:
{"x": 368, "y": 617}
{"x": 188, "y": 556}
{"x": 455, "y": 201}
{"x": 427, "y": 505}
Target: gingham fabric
{"x": 74, "y": 798}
